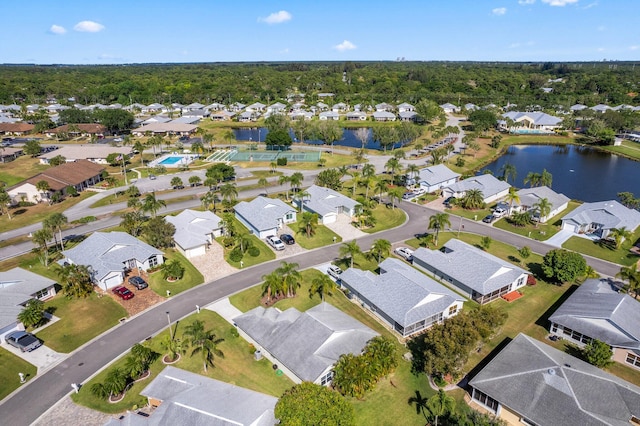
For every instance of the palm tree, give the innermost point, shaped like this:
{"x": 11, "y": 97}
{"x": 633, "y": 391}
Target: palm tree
{"x": 439, "y": 221}
{"x": 413, "y": 170}
{"x": 43, "y": 188}
{"x": 356, "y": 178}
{"x": 229, "y": 192}
{"x": 283, "y": 180}
{"x": 322, "y": 285}
{"x": 264, "y": 183}
{"x": 296, "y": 180}
{"x": 33, "y": 313}
{"x": 41, "y": 237}
{"x": 114, "y": 384}
{"x": 441, "y": 404}
{"x": 511, "y": 198}
{"x": 290, "y": 276}
{"x": 203, "y": 342}
{"x": 272, "y": 285}
{"x": 308, "y": 223}
{"x": 242, "y": 240}
{"x": 368, "y": 170}
{"x": 382, "y": 354}
{"x": 76, "y": 280}
{"x": 393, "y": 166}
{"x": 619, "y": 235}
{"x": 208, "y": 200}
{"x": 55, "y": 222}
{"x": 533, "y": 179}
{"x": 151, "y": 204}
{"x": 197, "y": 147}
{"x": 195, "y": 180}
{"x": 632, "y": 276}
{"x": 543, "y": 208}
{"x": 381, "y": 188}
{"x": 546, "y": 179}
{"x": 5, "y": 201}
{"x": 176, "y": 182}
{"x": 208, "y": 138}
{"x": 395, "y": 194}
{"x": 473, "y": 199}
{"x": 172, "y": 346}
{"x": 368, "y": 182}
{"x": 509, "y": 171}
{"x": 380, "y": 249}
{"x": 350, "y": 250}
{"x": 139, "y": 146}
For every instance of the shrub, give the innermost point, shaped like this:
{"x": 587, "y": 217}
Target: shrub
{"x": 531, "y": 280}
{"x": 236, "y": 255}
{"x": 86, "y": 219}
{"x": 234, "y": 332}
{"x": 282, "y": 161}
{"x": 254, "y": 251}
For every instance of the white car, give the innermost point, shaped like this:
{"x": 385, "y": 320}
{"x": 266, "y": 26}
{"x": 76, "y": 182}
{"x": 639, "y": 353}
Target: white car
{"x": 334, "y": 271}
{"x": 499, "y": 212}
{"x": 420, "y": 190}
{"x": 405, "y": 253}
{"x": 275, "y": 242}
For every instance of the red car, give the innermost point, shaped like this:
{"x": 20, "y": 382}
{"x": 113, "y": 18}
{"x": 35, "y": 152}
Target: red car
{"x": 123, "y": 292}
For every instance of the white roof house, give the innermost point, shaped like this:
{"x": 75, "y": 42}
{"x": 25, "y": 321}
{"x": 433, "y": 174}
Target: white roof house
{"x": 328, "y": 115}
{"x": 478, "y": 274}
{"x": 264, "y": 216}
{"x": 538, "y": 122}
{"x": 195, "y": 231}
{"x": 530, "y": 197}
{"x": 600, "y": 218}
{"x": 449, "y": 108}
{"x": 383, "y": 116}
{"x": 171, "y": 127}
{"x": 304, "y": 345}
{"x": 436, "y": 177}
{"x": 327, "y": 203}
{"x": 110, "y": 254}
{"x": 406, "y": 299}
{"x": 405, "y": 107}
{"x": 185, "y": 398}
{"x": 491, "y": 188}
{"x": 577, "y": 107}
{"x": 95, "y": 153}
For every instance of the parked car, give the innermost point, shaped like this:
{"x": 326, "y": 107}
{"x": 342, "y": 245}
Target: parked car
{"x": 419, "y": 191}
{"x": 118, "y": 139}
{"x": 334, "y": 271}
{"x": 138, "y": 283}
{"x": 22, "y": 340}
{"x": 287, "y": 239}
{"x": 152, "y": 177}
{"x": 448, "y": 201}
{"x": 405, "y": 253}
{"x": 489, "y": 218}
{"x": 408, "y": 195}
{"x": 123, "y": 292}
{"x": 499, "y": 212}
{"x": 275, "y": 242}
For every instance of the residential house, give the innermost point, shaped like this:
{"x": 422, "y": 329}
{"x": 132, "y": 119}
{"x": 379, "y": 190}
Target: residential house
{"x": 383, "y": 116}
{"x": 169, "y": 128}
{"x": 192, "y": 107}
{"x": 188, "y": 118}
{"x": 195, "y": 231}
{"x": 180, "y": 397}
{"x": 236, "y": 107}
{"x": 491, "y": 188}
{"x": 530, "y": 197}
{"x": 215, "y": 107}
{"x": 10, "y": 154}
{"x": 404, "y": 298}
{"x": 304, "y": 345}
{"x": 339, "y": 107}
{"x": 325, "y": 95}
{"x": 110, "y": 255}
{"x": 327, "y": 204}
{"x": 153, "y": 109}
{"x": 17, "y": 287}
{"x": 471, "y": 107}
{"x": 328, "y": 115}
{"x": 529, "y": 122}
{"x": 75, "y": 130}
{"x": 597, "y": 310}
{"x": 300, "y": 115}
{"x": 356, "y": 116}
{"x": 276, "y": 108}
{"x": 478, "y": 274}
{"x": 80, "y": 174}
{"x": 529, "y": 382}
{"x": 195, "y": 114}
{"x": 156, "y": 119}
{"x": 264, "y": 216}
{"x": 600, "y": 218}
{"x": 600, "y": 108}
{"x": 449, "y": 108}
{"x": 322, "y": 106}
{"x": 221, "y": 115}
{"x": 95, "y": 153}
{"x": 577, "y": 107}
{"x": 384, "y": 107}
{"x": 408, "y": 115}
{"x": 16, "y": 128}
{"x": 405, "y": 107}
{"x": 256, "y": 107}
{"x": 246, "y": 116}
{"x": 436, "y": 177}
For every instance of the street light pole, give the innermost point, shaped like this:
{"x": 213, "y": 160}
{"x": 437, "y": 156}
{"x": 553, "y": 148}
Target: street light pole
{"x": 169, "y": 321}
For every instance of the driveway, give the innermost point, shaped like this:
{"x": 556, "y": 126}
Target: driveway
{"x": 225, "y": 309}
{"x": 343, "y": 227}
{"x": 43, "y": 357}
{"x": 212, "y": 264}
{"x": 558, "y": 239}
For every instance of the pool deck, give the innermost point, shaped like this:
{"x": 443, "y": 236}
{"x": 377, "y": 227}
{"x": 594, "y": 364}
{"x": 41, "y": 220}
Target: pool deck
{"x": 185, "y": 159}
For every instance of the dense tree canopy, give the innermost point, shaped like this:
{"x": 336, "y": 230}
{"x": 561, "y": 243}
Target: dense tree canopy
{"x": 313, "y": 405}
{"x": 563, "y": 265}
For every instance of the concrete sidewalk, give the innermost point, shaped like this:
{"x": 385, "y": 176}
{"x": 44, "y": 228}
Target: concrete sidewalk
{"x": 225, "y": 309}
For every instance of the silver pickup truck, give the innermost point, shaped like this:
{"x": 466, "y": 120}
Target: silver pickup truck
{"x": 22, "y": 340}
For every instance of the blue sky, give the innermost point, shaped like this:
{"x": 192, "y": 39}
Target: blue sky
{"x": 134, "y": 31}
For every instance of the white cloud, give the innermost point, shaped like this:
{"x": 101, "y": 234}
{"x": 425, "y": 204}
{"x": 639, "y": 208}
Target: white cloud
{"x": 590, "y": 5}
{"x": 499, "y": 11}
{"x": 559, "y": 2}
{"x": 634, "y": 47}
{"x": 345, "y": 45}
{"x": 277, "y": 17}
{"x": 57, "y": 29}
{"x": 523, "y": 2}
{"x": 88, "y": 27}
{"x": 285, "y": 50}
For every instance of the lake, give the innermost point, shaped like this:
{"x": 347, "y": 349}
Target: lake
{"x": 348, "y": 138}
{"x": 581, "y": 173}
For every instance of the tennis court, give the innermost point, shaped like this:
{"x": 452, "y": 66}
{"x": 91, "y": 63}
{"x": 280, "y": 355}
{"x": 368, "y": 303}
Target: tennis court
{"x": 269, "y": 156}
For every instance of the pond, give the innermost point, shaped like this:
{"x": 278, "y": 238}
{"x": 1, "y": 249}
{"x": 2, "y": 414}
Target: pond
{"x": 348, "y": 138}
{"x": 579, "y": 172}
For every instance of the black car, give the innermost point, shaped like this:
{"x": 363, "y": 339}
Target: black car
{"x": 489, "y": 218}
{"x": 138, "y": 282}
{"x": 287, "y": 239}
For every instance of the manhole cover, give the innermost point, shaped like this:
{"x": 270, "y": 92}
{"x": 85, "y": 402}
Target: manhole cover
{"x": 81, "y": 364}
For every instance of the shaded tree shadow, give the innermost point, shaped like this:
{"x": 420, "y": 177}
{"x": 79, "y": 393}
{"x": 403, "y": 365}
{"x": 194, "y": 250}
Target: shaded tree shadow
{"x": 543, "y": 320}
{"x": 514, "y": 259}
{"x": 536, "y": 270}
{"x": 485, "y": 361}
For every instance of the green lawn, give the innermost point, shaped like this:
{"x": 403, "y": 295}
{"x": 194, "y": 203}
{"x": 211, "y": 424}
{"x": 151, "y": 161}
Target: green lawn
{"x": 541, "y": 232}
{"x": 192, "y": 277}
{"x": 10, "y": 366}
{"x": 266, "y": 254}
{"x": 323, "y": 237}
{"x": 386, "y": 218}
{"x": 238, "y": 367}
{"x": 468, "y": 214}
{"x": 620, "y": 256}
{"x": 80, "y": 320}
{"x": 20, "y": 169}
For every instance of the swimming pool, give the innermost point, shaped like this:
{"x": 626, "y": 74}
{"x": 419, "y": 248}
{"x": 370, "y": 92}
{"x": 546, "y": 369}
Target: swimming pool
{"x": 170, "y": 160}
{"x": 173, "y": 160}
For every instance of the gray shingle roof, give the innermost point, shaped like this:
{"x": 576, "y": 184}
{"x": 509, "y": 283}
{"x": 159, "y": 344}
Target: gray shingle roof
{"x": 538, "y": 118}
{"x": 323, "y": 200}
{"x": 550, "y": 387}
{"x": 597, "y": 310}
{"x": 471, "y": 266}
{"x": 262, "y": 212}
{"x": 437, "y": 174}
{"x": 193, "y": 227}
{"x": 306, "y": 343}
{"x": 403, "y": 293}
{"x": 192, "y": 399}
{"x": 383, "y": 114}
{"x": 489, "y": 185}
{"x": 108, "y": 251}
{"x": 610, "y": 214}
{"x": 531, "y": 196}
{"x": 17, "y": 286}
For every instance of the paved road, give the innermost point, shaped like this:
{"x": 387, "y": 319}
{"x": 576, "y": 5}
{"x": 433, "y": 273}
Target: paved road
{"x": 44, "y": 391}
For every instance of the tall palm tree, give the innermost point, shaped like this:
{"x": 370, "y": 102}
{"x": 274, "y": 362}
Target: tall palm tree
{"x": 172, "y": 346}
{"x": 42, "y": 186}
{"x": 441, "y": 404}
{"x": 283, "y": 180}
{"x": 42, "y": 237}
{"x": 395, "y": 194}
{"x": 290, "y": 276}
{"x": 272, "y": 285}
{"x": 413, "y": 170}
{"x": 356, "y": 177}
{"x": 308, "y": 223}
{"x": 203, "y": 342}
{"x": 546, "y": 178}
{"x": 322, "y": 285}
{"x": 439, "y": 221}
{"x": 295, "y": 181}
{"x": 229, "y": 192}
{"x": 632, "y": 276}
{"x": 55, "y": 222}
{"x": 368, "y": 170}
{"x": 509, "y": 171}
{"x": 197, "y": 147}
{"x": 75, "y": 280}
{"x": 533, "y": 179}
{"x": 511, "y": 198}
{"x": 380, "y": 249}
{"x": 151, "y": 204}
{"x": 543, "y": 208}
{"x": 209, "y": 199}
{"x": 350, "y": 250}
{"x": 473, "y": 199}
{"x": 381, "y": 187}
{"x": 264, "y": 183}
{"x": 393, "y": 166}
{"x": 619, "y": 235}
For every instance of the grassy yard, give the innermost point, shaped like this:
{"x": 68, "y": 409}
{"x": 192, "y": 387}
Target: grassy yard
{"x": 20, "y": 169}
{"x": 323, "y": 237}
{"x": 541, "y": 232}
{"x": 31, "y": 263}
{"x": 620, "y": 256}
{"x": 469, "y": 214}
{"x": 266, "y": 254}
{"x": 386, "y": 218}
{"x": 237, "y": 367}
{"x": 192, "y": 277}
{"x": 80, "y": 320}
{"x": 628, "y": 148}
{"x": 10, "y": 366}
